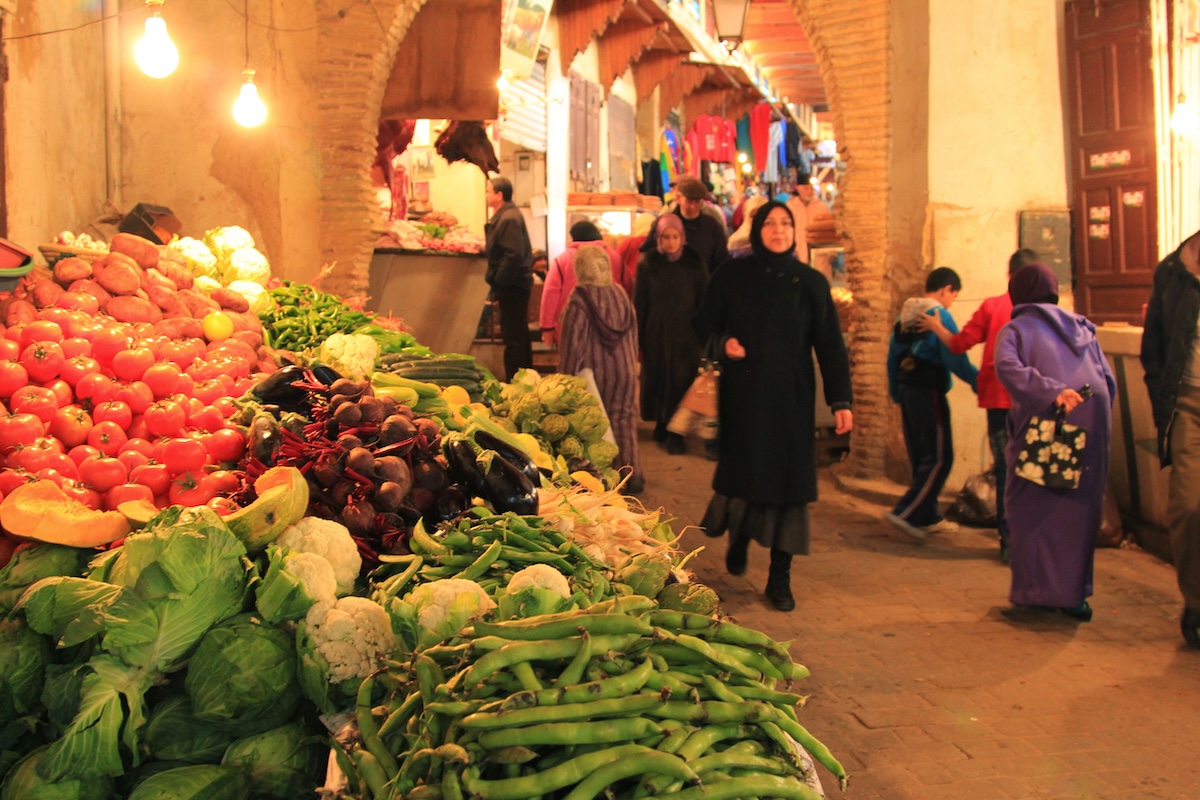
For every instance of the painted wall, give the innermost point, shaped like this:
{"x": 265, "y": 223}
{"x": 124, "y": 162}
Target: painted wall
{"x": 995, "y": 148}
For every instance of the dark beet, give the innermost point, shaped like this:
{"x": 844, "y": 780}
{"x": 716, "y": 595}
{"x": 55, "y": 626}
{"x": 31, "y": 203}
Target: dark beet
{"x": 348, "y": 414}
{"x": 391, "y": 468}
{"x": 429, "y": 475}
{"x": 390, "y": 495}
{"x": 361, "y": 461}
{"x": 371, "y": 409}
{"x": 396, "y": 428}
{"x": 326, "y": 470}
{"x": 359, "y": 517}
{"x": 348, "y": 441}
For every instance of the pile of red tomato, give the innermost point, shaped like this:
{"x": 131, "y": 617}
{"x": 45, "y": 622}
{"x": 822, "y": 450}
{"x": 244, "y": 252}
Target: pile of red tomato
{"x": 114, "y": 412}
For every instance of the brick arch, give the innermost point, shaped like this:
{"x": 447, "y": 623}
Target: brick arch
{"x": 851, "y": 45}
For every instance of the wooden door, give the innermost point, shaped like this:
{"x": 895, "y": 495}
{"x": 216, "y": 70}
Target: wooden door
{"x": 1112, "y": 150}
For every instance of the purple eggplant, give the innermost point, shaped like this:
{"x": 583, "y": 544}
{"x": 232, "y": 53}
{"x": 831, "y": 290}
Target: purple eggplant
{"x": 512, "y": 455}
{"x": 506, "y": 487}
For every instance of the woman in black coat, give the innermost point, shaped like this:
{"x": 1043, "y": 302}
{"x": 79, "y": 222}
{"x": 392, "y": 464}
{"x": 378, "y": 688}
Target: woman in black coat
{"x": 771, "y": 312}
{"x": 666, "y": 295}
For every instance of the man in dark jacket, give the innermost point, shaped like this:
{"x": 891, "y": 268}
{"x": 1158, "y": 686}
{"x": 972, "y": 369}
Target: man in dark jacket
{"x": 1169, "y": 347}
{"x": 509, "y": 273}
{"x": 703, "y": 229}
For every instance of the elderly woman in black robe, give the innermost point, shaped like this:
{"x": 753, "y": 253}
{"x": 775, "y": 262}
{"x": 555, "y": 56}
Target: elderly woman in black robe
{"x": 770, "y": 313}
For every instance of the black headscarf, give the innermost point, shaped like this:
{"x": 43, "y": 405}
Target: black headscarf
{"x": 762, "y": 254}
{"x": 1033, "y": 283}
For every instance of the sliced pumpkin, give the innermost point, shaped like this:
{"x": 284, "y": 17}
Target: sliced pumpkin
{"x": 42, "y": 511}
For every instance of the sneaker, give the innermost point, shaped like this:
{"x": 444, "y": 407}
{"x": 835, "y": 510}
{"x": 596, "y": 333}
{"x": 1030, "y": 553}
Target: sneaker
{"x": 918, "y": 534}
{"x": 941, "y": 526}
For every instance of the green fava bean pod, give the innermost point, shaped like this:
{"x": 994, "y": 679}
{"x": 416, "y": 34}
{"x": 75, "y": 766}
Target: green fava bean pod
{"x": 754, "y": 786}
{"x": 560, "y": 776}
{"x": 624, "y": 706}
{"x": 609, "y": 731}
{"x": 652, "y": 763}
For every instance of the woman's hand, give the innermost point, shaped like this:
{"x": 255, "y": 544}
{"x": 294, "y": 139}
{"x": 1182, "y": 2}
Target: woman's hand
{"x": 734, "y": 349}
{"x": 844, "y": 420}
{"x": 1068, "y": 399}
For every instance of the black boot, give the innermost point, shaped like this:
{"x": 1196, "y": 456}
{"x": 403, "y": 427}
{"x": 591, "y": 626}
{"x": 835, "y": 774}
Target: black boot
{"x": 735, "y": 556}
{"x": 676, "y": 445}
{"x": 779, "y": 581}
{"x": 660, "y": 432}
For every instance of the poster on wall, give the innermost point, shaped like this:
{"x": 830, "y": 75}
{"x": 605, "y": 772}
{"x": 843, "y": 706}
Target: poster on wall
{"x": 521, "y": 34}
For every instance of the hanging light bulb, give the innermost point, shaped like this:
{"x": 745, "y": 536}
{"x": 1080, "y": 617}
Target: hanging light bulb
{"x": 248, "y": 109}
{"x": 155, "y": 53}
{"x": 1183, "y": 118}
{"x": 505, "y": 79}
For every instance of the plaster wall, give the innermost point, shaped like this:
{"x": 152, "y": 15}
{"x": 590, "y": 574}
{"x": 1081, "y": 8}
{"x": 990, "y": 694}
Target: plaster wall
{"x": 995, "y": 148}
{"x": 54, "y": 118}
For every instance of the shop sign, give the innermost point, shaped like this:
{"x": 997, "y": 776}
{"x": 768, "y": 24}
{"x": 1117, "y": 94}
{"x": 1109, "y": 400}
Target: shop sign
{"x": 1099, "y": 231}
{"x": 1134, "y": 199}
{"x": 1110, "y": 159}
{"x": 1099, "y": 213}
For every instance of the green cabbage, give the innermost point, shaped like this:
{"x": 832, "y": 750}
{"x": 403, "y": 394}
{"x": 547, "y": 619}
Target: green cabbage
{"x": 23, "y": 782}
{"x": 196, "y": 782}
{"x": 174, "y": 734}
{"x": 284, "y": 762}
{"x": 23, "y": 657}
{"x": 30, "y": 564}
{"x": 242, "y": 678}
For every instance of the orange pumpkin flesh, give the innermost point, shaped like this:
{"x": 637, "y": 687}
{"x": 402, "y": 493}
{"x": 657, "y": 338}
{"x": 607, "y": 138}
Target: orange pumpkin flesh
{"x": 42, "y": 511}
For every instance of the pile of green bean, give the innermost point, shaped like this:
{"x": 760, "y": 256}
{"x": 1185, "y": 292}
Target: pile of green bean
{"x": 488, "y": 549}
{"x": 304, "y": 316}
{"x": 621, "y": 699}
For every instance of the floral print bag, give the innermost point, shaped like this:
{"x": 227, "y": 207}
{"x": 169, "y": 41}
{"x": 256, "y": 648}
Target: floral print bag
{"x": 1051, "y": 454}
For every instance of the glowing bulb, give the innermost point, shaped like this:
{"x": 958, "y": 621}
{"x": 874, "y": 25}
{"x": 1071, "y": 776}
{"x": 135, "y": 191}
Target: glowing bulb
{"x": 742, "y": 158}
{"x": 248, "y": 109}
{"x": 155, "y": 53}
{"x": 504, "y": 80}
{"x": 1183, "y": 118}
{"x": 746, "y": 167}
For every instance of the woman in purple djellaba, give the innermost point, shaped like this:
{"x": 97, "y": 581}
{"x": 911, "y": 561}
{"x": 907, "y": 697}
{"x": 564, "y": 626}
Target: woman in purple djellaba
{"x": 1044, "y": 357}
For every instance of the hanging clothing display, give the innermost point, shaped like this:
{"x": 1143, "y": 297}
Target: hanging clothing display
{"x": 760, "y": 135}
{"x": 742, "y": 137}
{"x": 774, "y": 147}
{"x": 793, "y": 145}
{"x": 670, "y": 158}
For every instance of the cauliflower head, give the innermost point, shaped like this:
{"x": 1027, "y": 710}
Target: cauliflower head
{"x": 256, "y": 295}
{"x": 561, "y": 394}
{"x": 206, "y": 283}
{"x": 602, "y": 453}
{"x": 294, "y": 584}
{"x": 247, "y": 264}
{"x": 537, "y": 589}
{"x": 540, "y": 576}
{"x": 223, "y": 241}
{"x": 352, "y": 354}
{"x": 198, "y": 256}
{"x": 444, "y": 607}
{"x": 554, "y": 427}
{"x": 588, "y": 423}
{"x": 332, "y": 541}
{"x": 352, "y": 636}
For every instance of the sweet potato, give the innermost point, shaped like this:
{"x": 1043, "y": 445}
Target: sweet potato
{"x": 244, "y": 321}
{"x": 179, "y": 274}
{"x": 197, "y": 303}
{"x": 252, "y": 338}
{"x": 229, "y": 299}
{"x": 153, "y": 277}
{"x": 45, "y": 293}
{"x": 133, "y": 309}
{"x": 88, "y": 286}
{"x": 164, "y": 298}
{"x": 114, "y": 258}
{"x": 118, "y": 278}
{"x": 71, "y": 269}
{"x": 19, "y": 312}
{"x": 180, "y": 328}
{"x": 141, "y": 250}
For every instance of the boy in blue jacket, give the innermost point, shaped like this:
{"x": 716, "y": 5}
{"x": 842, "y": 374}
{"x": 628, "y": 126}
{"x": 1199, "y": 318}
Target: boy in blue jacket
{"x": 919, "y": 376}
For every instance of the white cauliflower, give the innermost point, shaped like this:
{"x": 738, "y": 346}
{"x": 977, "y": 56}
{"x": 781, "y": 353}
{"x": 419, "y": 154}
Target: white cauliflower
{"x": 332, "y": 541}
{"x": 294, "y": 584}
{"x": 247, "y": 264}
{"x": 444, "y": 607}
{"x": 223, "y": 241}
{"x": 351, "y": 354}
{"x": 199, "y": 257}
{"x": 255, "y": 293}
{"x": 352, "y": 636}
{"x": 206, "y": 283}
{"x": 540, "y": 576}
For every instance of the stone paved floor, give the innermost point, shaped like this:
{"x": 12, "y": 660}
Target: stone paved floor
{"x": 923, "y": 690}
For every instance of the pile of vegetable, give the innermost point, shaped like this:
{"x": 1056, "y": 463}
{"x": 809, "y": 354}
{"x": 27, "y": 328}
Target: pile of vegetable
{"x": 301, "y": 318}
{"x": 442, "y": 370}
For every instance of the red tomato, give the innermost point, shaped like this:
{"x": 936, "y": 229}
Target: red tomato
{"x": 12, "y": 478}
{"x": 223, "y": 506}
{"x": 139, "y": 444}
{"x": 226, "y": 444}
{"x": 17, "y": 429}
{"x": 165, "y": 418}
{"x": 144, "y": 330}
{"x": 137, "y": 428}
{"x": 9, "y": 349}
{"x": 71, "y": 426}
{"x": 224, "y": 404}
{"x": 63, "y": 465}
{"x": 13, "y": 376}
{"x": 241, "y": 386}
{"x": 81, "y": 452}
{"x": 127, "y": 492}
{"x": 41, "y": 330}
{"x": 62, "y": 391}
{"x": 131, "y": 364}
{"x": 77, "y": 491}
{"x": 206, "y": 418}
{"x": 132, "y": 458}
{"x": 225, "y": 481}
{"x": 177, "y": 352}
{"x": 185, "y": 385}
{"x": 202, "y": 371}
{"x": 109, "y": 341}
{"x": 36, "y": 400}
{"x": 77, "y": 366}
{"x": 107, "y": 437}
{"x": 191, "y": 489}
{"x": 136, "y": 395}
{"x": 163, "y": 379}
{"x": 115, "y": 410}
{"x": 42, "y": 360}
{"x": 76, "y": 346}
{"x": 103, "y": 473}
{"x": 78, "y": 301}
{"x": 184, "y": 455}
{"x": 13, "y": 332}
{"x": 28, "y": 457}
{"x": 152, "y": 475}
{"x": 95, "y": 388}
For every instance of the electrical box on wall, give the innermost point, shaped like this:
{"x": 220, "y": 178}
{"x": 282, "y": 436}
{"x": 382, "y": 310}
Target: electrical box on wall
{"x": 528, "y": 175}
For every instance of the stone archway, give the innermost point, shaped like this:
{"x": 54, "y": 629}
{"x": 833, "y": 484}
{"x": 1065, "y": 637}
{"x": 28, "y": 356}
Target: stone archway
{"x": 851, "y": 45}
